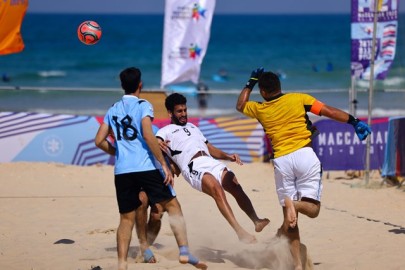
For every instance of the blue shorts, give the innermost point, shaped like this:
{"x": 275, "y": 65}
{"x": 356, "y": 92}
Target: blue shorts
{"x": 129, "y": 185}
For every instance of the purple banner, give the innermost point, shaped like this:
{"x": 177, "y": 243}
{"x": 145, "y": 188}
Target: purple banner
{"x": 362, "y": 37}
{"x": 339, "y": 148}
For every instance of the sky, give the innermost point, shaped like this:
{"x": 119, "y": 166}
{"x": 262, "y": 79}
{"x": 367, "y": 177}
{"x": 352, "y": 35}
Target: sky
{"x": 222, "y": 6}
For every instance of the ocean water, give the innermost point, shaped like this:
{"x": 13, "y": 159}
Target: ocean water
{"x": 57, "y": 73}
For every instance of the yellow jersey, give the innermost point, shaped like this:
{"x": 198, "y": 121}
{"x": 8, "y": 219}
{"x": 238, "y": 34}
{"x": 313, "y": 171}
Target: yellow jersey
{"x": 285, "y": 120}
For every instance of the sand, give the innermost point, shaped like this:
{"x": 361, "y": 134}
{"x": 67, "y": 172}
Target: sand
{"x": 55, "y": 216}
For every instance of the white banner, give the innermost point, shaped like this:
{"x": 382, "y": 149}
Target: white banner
{"x": 186, "y": 34}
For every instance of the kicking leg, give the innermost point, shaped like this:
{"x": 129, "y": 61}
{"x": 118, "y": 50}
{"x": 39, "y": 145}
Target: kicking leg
{"x": 211, "y": 187}
{"x": 231, "y": 185}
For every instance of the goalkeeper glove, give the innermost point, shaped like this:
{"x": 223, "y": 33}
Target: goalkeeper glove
{"x": 361, "y": 128}
{"x": 254, "y": 77}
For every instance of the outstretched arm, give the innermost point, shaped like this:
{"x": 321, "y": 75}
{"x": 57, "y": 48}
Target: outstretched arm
{"x": 334, "y": 113}
{"x": 362, "y": 129}
{"x": 219, "y": 154}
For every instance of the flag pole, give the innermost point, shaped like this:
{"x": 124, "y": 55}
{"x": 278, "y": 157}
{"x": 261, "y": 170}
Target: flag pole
{"x": 353, "y": 97}
{"x": 370, "y": 94}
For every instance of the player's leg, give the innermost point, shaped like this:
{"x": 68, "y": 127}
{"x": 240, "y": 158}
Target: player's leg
{"x": 291, "y": 231}
{"x": 231, "y": 185}
{"x": 154, "y": 223}
{"x": 124, "y": 234}
{"x": 308, "y": 183}
{"x": 128, "y": 201}
{"x": 178, "y": 226}
{"x": 141, "y": 226}
{"x": 211, "y": 187}
{"x": 285, "y": 179}
{"x": 308, "y": 207}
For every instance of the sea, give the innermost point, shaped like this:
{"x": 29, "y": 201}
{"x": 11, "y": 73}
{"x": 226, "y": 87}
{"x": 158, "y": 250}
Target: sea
{"x": 56, "y": 73}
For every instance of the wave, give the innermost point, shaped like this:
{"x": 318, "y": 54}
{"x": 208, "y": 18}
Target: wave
{"x": 51, "y": 73}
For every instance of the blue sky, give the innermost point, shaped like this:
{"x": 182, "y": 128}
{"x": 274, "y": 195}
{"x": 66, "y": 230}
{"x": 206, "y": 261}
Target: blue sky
{"x": 222, "y": 6}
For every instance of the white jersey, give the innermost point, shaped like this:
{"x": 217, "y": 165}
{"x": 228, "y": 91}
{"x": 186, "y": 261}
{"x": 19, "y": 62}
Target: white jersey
{"x": 184, "y": 142}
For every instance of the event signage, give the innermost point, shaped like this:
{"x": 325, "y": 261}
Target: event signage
{"x": 362, "y": 28}
{"x": 339, "y": 148}
{"x": 187, "y": 26}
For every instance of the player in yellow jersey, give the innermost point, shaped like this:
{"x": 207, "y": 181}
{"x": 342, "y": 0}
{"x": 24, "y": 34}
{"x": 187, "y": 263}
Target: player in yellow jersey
{"x": 297, "y": 169}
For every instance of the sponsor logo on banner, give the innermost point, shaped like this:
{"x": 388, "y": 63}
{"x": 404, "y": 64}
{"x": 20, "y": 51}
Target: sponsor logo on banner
{"x": 191, "y": 52}
{"x": 53, "y": 145}
{"x": 191, "y": 11}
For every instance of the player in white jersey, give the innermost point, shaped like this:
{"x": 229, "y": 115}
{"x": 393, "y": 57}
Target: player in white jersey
{"x": 197, "y": 159}
{"x": 135, "y": 149}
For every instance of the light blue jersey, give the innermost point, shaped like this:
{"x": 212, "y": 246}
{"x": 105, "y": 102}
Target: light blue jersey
{"x": 125, "y": 119}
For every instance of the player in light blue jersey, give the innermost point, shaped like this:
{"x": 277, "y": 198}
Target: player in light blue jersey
{"x": 135, "y": 149}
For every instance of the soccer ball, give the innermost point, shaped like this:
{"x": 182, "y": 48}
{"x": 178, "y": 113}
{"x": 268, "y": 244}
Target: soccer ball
{"x": 89, "y": 32}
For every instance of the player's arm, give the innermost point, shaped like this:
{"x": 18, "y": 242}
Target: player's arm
{"x": 362, "y": 129}
{"x": 219, "y": 154}
{"x": 153, "y": 145}
{"x": 242, "y": 99}
{"x": 165, "y": 148}
{"x": 101, "y": 139}
{"x": 173, "y": 166}
{"x": 328, "y": 111}
{"x": 245, "y": 94}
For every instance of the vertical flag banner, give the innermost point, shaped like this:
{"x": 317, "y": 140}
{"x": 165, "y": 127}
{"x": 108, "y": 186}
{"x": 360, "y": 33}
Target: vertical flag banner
{"x": 186, "y": 34}
{"x": 362, "y": 37}
{"x": 11, "y": 16}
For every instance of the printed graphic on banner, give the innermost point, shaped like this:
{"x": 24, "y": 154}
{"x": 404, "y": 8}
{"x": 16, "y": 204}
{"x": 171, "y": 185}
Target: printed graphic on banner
{"x": 339, "y": 148}
{"x": 187, "y": 27}
{"x": 362, "y": 37}
{"x": 39, "y": 137}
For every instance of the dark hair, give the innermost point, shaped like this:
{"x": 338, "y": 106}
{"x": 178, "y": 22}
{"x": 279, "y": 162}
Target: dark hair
{"x": 269, "y": 82}
{"x": 130, "y": 79}
{"x": 173, "y": 100}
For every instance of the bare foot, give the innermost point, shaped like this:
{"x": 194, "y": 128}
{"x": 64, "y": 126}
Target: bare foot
{"x": 261, "y": 223}
{"x": 291, "y": 214}
{"x": 188, "y": 258}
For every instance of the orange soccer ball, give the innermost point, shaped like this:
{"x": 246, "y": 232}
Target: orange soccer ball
{"x": 89, "y": 32}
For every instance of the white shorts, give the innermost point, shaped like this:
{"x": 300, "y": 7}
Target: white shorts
{"x": 298, "y": 175}
{"x": 200, "y": 166}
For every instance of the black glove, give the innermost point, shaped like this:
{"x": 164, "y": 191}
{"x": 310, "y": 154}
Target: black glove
{"x": 361, "y": 128}
{"x": 254, "y": 77}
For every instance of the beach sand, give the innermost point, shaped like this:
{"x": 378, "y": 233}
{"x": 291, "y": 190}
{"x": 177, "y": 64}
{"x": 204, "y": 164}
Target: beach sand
{"x": 56, "y": 216}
